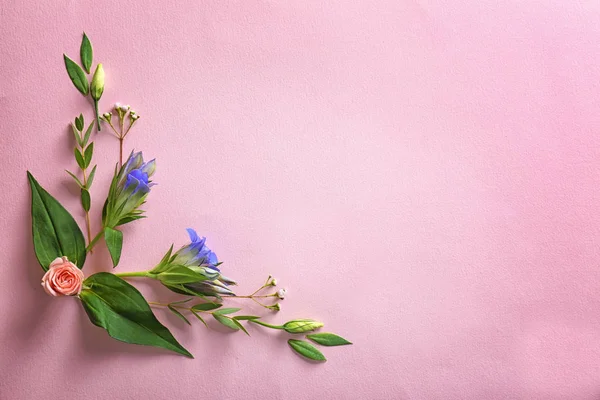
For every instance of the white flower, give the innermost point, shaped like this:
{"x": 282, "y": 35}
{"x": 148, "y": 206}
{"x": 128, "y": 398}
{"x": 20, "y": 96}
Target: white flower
{"x": 124, "y": 108}
{"x": 281, "y": 293}
{"x": 117, "y": 106}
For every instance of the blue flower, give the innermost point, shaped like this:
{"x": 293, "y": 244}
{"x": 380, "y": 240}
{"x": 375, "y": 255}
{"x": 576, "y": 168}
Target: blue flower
{"x": 196, "y": 254}
{"x": 128, "y": 190}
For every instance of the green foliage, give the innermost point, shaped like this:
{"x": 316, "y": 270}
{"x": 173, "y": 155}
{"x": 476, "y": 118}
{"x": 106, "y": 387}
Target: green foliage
{"x": 206, "y": 306}
{"x": 86, "y": 53}
{"x": 55, "y": 232}
{"x": 306, "y": 349}
{"x": 114, "y": 242}
{"x": 115, "y": 305}
{"x": 77, "y": 76}
{"x": 85, "y": 199}
{"x": 328, "y": 339}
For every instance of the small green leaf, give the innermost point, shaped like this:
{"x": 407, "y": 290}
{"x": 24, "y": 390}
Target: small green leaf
{"x": 79, "y": 122}
{"x": 179, "y": 274}
{"x": 79, "y": 158}
{"x": 77, "y": 76}
{"x": 90, "y": 179}
{"x": 114, "y": 242}
{"x": 239, "y": 325}
{"x": 88, "y": 132}
{"x": 224, "y": 311}
{"x": 76, "y": 179}
{"x": 181, "y": 301}
{"x": 228, "y": 322}
{"x": 85, "y": 199}
{"x": 55, "y": 232}
{"x": 115, "y": 305}
{"x": 89, "y": 152}
{"x": 76, "y": 134}
{"x": 180, "y": 315}
{"x": 206, "y": 306}
{"x": 245, "y": 317}
{"x": 164, "y": 262}
{"x": 328, "y": 339}
{"x": 86, "y": 53}
{"x": 306, "y": 349}
{"x": 200, "y": 318}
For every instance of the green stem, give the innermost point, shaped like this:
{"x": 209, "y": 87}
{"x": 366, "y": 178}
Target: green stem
{"x": 142, "y": 274}
{"x": 255, "y": 321}
{"x": 97, "y": 116}
{"x": 90, "y": 246}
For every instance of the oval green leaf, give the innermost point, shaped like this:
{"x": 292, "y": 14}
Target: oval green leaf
{"x": 328, "y": 339}
{"x": 87, "y": 155}
{"x": 86, "y": 200}
{"x": 114, "y": 242}
{"x": 306, "y": 349}
{"x": 77, "y": 76}
{"x": 55, "y": 232}
{"x": 115, "y": 305}
{"x": 79, "y": 158}
{"x": 224, "y": 311}
{"x": 86, "y": 53}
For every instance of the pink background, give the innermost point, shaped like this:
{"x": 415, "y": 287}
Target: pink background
{"x": 421, "y": 175}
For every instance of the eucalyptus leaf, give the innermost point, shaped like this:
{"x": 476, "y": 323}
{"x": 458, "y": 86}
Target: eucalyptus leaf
{"x": 86, "y": 53}
{"x": 206, "y": 306}
{"x": 114, "y": 242}
{"x": 90, "y": 178}
{"x": 75, "y": 177}
{"x": 79, "y": 158}
{"x": 77, "y": 76}
{"x": 86, "y": 200}
{"x": 55, "y": 232}
{"x": 328, "y": 339}
{"x": 115, "y": 305}
{"x": 89, "y": 152}
{"x": 180, "y": 315}
{"x": 224, "y": 311}
{"x": 228, "y": 322}
{"x": 306, "y": 349}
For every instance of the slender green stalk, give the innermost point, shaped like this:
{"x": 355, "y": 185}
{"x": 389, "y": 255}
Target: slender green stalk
{"x": 99, "y": 126}
{"x": 93, "y": 242}
{"x": 141, "y": 274}
{"x": 256, "y": 321}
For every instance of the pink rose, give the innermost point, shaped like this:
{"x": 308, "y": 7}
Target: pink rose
{"x": 63, "y": 278}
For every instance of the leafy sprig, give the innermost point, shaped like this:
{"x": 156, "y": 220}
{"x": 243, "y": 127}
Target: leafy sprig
{"x": 83, "y": 152}
{"x": 95, "y": 88}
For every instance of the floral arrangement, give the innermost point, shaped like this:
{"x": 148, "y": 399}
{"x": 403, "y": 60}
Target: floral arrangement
{"x": 193, "y": 271}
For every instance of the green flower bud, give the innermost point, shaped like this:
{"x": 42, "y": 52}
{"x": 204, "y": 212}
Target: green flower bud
{"x": 302, "y": 325}
{"x": 97, "y": 87}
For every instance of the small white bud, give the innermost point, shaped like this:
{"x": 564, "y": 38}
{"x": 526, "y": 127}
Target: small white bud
{"x": 124, "y": 108}
{"x": 281, "y": 293}
{"x": 117, "y": 106}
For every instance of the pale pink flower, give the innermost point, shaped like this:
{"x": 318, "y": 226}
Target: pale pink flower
{"x": 63, "y": 278}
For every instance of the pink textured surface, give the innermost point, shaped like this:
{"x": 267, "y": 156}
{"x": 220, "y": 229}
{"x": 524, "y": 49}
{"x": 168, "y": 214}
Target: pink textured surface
{"x": 422, "y": 176}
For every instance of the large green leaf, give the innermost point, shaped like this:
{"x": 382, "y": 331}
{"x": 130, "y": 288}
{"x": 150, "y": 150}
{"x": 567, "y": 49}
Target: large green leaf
{"x": 77, "y": 76}
{"x": 55, "y": 232}
{"x": 114, "y": 242}
{"x": 115, "y": 305}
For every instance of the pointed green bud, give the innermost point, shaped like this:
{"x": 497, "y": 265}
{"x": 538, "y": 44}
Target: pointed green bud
{"x": 302, "y": 325}
{"x": 97, "y": 87}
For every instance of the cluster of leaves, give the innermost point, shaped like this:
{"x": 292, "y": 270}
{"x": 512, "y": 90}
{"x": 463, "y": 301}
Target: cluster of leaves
{"x": 79, "y": 78}
{"x": 109, "y": 301}
{"x": 83, "y": 155}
